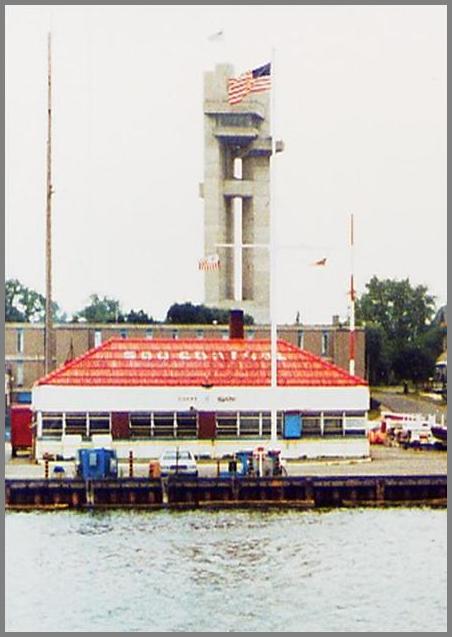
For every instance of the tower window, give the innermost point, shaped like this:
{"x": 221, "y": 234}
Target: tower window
{"x": 325, "y": 340}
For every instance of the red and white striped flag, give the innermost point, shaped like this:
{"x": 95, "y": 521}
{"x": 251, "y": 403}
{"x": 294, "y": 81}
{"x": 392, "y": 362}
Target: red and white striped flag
{"x": 255, "y": 81}
{"x": 212, "y": 262}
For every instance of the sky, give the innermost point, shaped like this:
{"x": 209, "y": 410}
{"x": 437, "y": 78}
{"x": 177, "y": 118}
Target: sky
{"x": 359, "y": 95}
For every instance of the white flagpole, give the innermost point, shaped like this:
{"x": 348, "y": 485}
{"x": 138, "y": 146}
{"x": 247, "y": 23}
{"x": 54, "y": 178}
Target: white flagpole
{"x": 352, "y": 303}
{"x": 273, "y": 323}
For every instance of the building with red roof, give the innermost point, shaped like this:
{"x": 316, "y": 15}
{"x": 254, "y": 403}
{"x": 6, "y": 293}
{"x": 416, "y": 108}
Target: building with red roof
{"x": 212, "y": 395}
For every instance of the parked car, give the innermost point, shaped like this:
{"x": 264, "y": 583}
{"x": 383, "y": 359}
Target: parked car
{"x": 177, "y": 461}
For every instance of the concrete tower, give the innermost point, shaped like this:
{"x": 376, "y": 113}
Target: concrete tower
{"x": 236, "y": 192}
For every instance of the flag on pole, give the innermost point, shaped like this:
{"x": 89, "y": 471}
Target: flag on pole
{"x": 320, "y": 262}
{"x": 211, "y": 262}
{"x": 255, "y": 81}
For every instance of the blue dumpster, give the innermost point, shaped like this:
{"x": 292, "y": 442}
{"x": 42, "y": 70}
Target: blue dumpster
{"x": 95, "y": 464}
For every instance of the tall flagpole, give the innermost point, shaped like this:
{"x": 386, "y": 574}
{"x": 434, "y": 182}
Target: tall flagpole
{"x": 352, "y": 303}
{"x": 273, "y": 323}
{"x": 48, "y": 364}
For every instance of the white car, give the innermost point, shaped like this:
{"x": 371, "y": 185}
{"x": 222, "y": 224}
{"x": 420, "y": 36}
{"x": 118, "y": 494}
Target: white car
{"x": 178, "y": 461}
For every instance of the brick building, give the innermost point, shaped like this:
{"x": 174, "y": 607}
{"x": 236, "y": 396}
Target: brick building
{"x": 24, "y": 344}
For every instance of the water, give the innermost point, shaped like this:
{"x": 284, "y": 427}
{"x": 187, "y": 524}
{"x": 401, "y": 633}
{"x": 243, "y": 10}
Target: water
{"x": 362, "y": 570}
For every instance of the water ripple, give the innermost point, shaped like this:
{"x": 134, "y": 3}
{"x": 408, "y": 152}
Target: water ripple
{"x": 357, "y": 570}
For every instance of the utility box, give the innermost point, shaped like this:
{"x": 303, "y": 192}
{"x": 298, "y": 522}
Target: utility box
{"x": 96, "y": 464}
{"x": 21, "y": 432}
{"x": 292, "y": 425}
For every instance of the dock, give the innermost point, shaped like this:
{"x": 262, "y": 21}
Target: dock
{"x": 179, "y": 492}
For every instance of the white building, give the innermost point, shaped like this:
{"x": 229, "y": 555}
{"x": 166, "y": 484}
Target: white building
{"x": 212, "y": 396}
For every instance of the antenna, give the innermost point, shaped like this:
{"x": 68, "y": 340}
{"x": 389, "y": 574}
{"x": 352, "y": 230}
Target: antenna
{"x": 48, "y": 319}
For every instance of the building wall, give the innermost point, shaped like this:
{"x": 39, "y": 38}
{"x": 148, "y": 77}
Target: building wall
{"x": 236, "y": 132}
{"x": 83, "y": 337}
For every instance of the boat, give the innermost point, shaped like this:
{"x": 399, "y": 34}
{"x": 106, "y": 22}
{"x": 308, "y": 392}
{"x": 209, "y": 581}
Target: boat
{"x": 439, "y": 432}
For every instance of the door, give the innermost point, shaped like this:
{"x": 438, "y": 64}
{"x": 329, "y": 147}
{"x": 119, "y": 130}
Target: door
{"x": 292, "y": 425}
{"x": 207, "y": 425}
{"x": 120, "y": 425}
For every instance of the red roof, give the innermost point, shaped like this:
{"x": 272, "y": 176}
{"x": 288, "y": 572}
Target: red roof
{"x": 191, "y": 362}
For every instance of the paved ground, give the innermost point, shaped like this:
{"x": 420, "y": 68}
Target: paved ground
{"x": 383, "y": 461}
{"x": 411, "y": 404}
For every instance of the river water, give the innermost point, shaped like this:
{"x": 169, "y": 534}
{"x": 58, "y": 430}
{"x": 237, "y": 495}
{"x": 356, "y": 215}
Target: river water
{"x": 342, "y": 570}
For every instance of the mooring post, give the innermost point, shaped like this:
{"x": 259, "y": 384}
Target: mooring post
{"x": 46, "y": 468}
{"x": 130, "y": 464}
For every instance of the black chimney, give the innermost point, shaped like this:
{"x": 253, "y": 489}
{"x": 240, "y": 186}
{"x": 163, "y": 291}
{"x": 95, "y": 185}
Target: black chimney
{"x": 236, "y": 324}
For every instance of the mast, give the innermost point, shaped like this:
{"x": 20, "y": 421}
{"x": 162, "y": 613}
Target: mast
{"x": 273, "y": 323}
{"x": 352, "y": 304}
{"x": 48, "y": 365}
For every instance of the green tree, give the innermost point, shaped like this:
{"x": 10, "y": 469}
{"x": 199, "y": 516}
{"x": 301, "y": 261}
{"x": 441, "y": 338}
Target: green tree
{"x": 24, "y": 305}
{"x": 101, "y": 310}
{"x": 400, "y": 343}
{"x": 187, "y": 313}
{"x": 139, "y": 316}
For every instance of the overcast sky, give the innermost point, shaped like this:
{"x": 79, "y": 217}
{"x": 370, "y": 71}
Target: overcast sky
{"x": 360, "y": 102}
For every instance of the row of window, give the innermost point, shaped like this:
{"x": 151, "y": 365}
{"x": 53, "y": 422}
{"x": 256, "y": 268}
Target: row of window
{"x": 149, "y": 333}
{"x": 185, "y": 424}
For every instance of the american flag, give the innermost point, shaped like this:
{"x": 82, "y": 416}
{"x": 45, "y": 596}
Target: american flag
{"x": 255, "y": 81}
{"x": 212, "y": 262}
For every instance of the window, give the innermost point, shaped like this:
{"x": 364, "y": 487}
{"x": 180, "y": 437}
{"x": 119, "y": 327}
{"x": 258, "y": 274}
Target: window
{"x": 97, "y": 338}
{"x": 235, "y": 119}
{"x": 76, "y": 423}
{"x": 20, "y": 341}
{"x": 324, "y": 343}
{"x": 225, "y": 335}
{"x": 99, "y": 423}
{"x": 123, "y": 333}
{"x": 332, "y": 426}
{"x": 249, "y": 424}
{"x": 52, "y": 425}
{"x": 300, "y": 339}
{"x": 251, "y": 334}
{"x": 20, "y": 374}
{"x": 149, "y": 333}
{"x": 227, "y": 424}
{"x": 164, "y": 425}
{"x": 199, "y": 333}
{"x": 187, "y": 424}
{"x": 175, "y": 334}
{"x": 140, "y": 425}
{"x": 311, "y": 426}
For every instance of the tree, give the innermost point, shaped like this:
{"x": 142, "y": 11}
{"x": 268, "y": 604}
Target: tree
{"x": 24, "y": 305}
{"x": 139, "y": 316}
{"x": 400, "y": 342}
{"x": 404, "y": 312}
{"x": 187, "y": 313}
{"x": 101, "y": 310}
